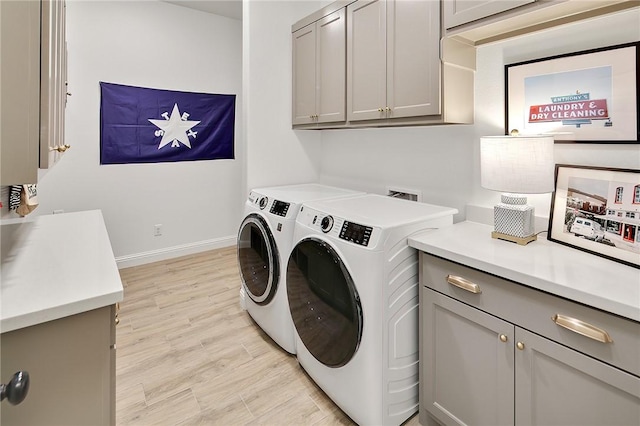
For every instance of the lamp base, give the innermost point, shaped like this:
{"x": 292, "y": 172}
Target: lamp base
{"x": 523, "y": 241}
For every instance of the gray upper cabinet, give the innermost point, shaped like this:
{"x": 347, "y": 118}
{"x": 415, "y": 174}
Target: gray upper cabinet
{"x": 33, "y": 98}
{"x": 393, "y": 64}
{"x": 398, "y": 70}
{"x": 20, "y": 94}
{"x": 319, "y": 70}
{"x": 459, "y": 12}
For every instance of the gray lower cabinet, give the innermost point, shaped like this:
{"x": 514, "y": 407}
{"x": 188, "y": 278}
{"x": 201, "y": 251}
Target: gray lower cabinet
{"x": 71, "y": 364}
{"x": 481, "y": 365}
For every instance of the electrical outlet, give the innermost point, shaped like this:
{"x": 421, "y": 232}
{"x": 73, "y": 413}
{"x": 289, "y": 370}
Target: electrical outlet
{"x": 157, "y": 230}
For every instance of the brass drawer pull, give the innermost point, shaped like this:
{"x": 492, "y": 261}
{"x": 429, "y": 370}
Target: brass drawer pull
{"x": 583, "y": 328}
{"x": 464, "y": 284}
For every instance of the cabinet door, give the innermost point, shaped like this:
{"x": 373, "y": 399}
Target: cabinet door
{"x": 556, "y": 385}
{"x": 467, "y": 367}
{"x": 71, "y": 368}
{"x": 331, "y": 67}
{"x": 20, "y": 93}
{"x": 304, "y": 75}
{"x": 366, "y": 60}
{"x": 458, "y": 12}
{"x": 53, "y": 82}
{"x": 413, "y": 62}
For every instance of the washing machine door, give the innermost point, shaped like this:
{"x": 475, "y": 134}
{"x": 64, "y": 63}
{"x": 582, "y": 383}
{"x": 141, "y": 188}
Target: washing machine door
{"x": 258, "y": 259}
{"x": 324, "y": 303}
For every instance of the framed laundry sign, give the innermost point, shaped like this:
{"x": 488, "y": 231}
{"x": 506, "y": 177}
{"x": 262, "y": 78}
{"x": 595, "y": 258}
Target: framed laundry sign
{"x": 589, "y": 96}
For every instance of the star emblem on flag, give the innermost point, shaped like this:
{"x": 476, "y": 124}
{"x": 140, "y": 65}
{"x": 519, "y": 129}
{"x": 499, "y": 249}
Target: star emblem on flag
{"x": 175, "y": 129}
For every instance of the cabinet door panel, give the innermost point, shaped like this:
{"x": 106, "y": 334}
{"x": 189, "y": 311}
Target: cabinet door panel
{"x": 332, "y": 57}
{"x": 557, "y": 385}
{"x": 366, "y": 60}
{"x": 20, "y": 93}
{"x": 304, "y": 75}
{"x": 458, "y": 12}
{"x": 70, "y": 364}
{"x": 467, "y": 369}
{"x": 53, "y": 84}
{"x": 413, "y": 63}
{"x": 331, "y": 73}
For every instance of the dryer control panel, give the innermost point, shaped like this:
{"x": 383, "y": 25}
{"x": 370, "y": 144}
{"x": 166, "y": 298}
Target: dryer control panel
{"x": 359, "y": 234}
{"x": 333, "y": 226}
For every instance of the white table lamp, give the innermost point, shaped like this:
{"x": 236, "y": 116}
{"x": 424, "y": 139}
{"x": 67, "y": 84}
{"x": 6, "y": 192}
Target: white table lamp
{"x": 516, "y": 165}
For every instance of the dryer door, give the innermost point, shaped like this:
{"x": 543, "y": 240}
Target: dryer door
{"x": 258, "y": 259}
{"x": 324, "y": 303}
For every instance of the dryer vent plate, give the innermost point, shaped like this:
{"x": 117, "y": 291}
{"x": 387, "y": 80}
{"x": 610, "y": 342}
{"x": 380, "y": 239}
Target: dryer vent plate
{"x": 405, "y": 194}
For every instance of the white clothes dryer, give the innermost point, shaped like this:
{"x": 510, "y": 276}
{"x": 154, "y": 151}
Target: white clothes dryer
{"x": 352, "y": 287}
{"x": 265, "y": 239}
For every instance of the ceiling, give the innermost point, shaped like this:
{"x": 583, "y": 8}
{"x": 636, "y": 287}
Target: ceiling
{"x": 228, "y": 8}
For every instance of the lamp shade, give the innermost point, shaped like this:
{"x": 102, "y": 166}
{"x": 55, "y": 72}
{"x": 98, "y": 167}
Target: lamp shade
{"x": 517, "y": 164}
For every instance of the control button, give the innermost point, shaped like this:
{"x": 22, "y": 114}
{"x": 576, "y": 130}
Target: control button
{"x": 326, "y": 224}
{"x": 263, "y": 202}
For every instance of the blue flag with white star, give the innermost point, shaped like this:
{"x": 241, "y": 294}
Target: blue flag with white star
{"x": 143, "y": 125}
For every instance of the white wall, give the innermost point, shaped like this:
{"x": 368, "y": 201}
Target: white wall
{"x": 158, "y": 45}
{"x": 276, "y": 154}
{"x": 601, "y": 32}
{"x": 443, "y": 161}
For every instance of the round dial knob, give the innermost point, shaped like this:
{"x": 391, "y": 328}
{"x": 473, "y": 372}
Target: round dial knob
{"x": 263, "y": 202}
{"x": 326, "y": 224}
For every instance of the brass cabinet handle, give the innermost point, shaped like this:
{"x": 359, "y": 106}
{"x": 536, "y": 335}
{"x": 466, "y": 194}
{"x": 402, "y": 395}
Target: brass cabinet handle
{"x": 464, "y": 284}
{"x": 387, "y": 109}
{"x": 60, "y": 148}
{"x": 380, "y": 109}
{"x": 503, "y": 338}
{"x": 583, "y": 328}
{"x": 520, "y": 346}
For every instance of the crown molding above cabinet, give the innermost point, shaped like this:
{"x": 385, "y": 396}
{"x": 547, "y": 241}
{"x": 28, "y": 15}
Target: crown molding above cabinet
{"x": 486, "y": 21}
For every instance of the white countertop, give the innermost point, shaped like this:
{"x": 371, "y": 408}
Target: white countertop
{"x": 54, "y": 266}
{"x": 542, "y": 264}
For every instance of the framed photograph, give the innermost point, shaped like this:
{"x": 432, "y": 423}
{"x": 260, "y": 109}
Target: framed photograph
{"x": 589, "y": 96}
{"x": 597, "y": 210}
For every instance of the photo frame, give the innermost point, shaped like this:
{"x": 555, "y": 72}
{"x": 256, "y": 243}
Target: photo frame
{"x": 597, "y": 210}
{"x": 589, "y": 96}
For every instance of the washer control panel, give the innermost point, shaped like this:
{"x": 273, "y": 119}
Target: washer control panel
{"x": 359, "y": 234}
{"x": 279, "y": 208}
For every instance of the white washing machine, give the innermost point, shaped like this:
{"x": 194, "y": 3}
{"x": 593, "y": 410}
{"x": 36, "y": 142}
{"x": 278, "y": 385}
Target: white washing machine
{"x": 352, "y": 287}
{"x": 265, "y": 239}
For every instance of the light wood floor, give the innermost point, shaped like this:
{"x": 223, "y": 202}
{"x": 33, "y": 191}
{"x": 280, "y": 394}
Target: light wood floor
{"x": 188, "y": 354}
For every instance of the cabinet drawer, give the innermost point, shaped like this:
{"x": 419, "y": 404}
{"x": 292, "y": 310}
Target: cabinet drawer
{"x": 534, "y": 310}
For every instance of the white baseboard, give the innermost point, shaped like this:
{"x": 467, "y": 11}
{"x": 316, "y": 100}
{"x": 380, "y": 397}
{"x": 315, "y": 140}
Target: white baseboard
{"x": 143, "y": 258}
